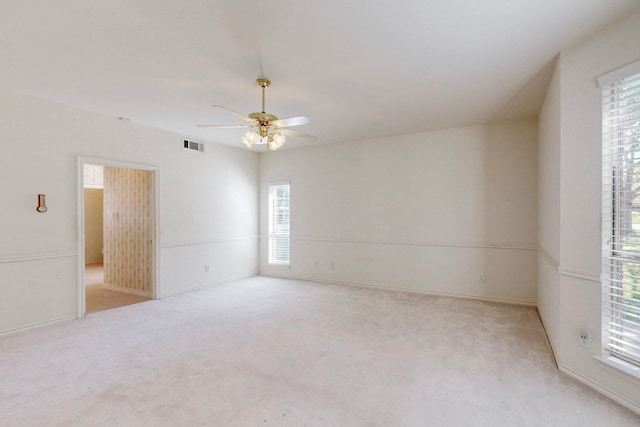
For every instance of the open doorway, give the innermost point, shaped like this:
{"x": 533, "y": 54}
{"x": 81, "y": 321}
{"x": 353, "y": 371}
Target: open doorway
{"x": 117, "y": 238}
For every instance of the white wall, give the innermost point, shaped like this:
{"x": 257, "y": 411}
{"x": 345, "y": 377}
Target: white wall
{"x": 208, "y": 204}
{"x": 426, "y": 212}
{"x": 549, "y": 203}
{"x": 570, "y": 200}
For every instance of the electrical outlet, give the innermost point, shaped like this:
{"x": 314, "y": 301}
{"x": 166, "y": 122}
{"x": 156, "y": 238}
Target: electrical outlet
{"x": 481, "y": 278}
{"x": 207, "y": 268}
{"x": 333, "y": 265}
{"x": 585, "y": 338}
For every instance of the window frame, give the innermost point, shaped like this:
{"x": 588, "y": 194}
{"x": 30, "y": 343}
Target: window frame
{"x": 618, "y": 346}
{"x": 272, "y": 234}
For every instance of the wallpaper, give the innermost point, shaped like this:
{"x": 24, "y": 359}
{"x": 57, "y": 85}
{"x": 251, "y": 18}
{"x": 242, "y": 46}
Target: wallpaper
{"x": 127, "y": 228}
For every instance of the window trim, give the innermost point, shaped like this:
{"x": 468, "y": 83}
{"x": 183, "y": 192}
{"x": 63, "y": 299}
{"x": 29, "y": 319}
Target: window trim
{"x": 618, "y": 74}
{"x": 620, "y": 366}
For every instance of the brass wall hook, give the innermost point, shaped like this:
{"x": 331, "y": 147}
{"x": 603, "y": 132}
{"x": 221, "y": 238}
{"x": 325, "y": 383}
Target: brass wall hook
{"x": 42, "y": 205}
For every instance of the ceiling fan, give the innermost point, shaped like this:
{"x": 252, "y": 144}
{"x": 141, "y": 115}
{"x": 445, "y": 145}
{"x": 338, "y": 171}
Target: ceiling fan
{"x": 265, "y": 128}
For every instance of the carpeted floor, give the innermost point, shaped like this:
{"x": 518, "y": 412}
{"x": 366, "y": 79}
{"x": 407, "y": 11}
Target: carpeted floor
{"x": 265, "y": 351}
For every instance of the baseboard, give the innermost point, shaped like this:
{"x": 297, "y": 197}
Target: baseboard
{"x": 546, "y": 334}
{"x": 38, "y": 325}
{"x": 601, "y": 389}
{"x": 204, "y": 286}
{"x": 417, "y": 291}
{"x": 127, "y": 290}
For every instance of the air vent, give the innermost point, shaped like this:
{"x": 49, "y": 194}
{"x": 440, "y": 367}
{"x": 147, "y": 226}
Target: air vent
{"x": 197, "y": 146}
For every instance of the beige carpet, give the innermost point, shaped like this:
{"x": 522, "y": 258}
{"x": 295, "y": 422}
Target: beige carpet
{"x": 265, "y": 351}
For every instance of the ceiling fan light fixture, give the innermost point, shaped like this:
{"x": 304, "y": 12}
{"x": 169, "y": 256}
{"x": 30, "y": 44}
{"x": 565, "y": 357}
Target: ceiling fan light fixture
{"x": 250, "y": 139}
{"x": 276, "y": 141}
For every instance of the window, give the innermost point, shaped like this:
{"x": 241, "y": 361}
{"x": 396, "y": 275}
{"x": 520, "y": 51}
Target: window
{"x": 93, "y": 176}
{"x": 279, "y": 224}
{"x": 621, "y": 215}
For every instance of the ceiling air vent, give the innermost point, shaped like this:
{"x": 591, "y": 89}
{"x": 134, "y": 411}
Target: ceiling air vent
{"x": 190, "y": 145}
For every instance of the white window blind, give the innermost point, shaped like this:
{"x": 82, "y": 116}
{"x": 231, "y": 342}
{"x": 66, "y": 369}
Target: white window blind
{"x": 279, "y": 223}
{"x": 621, "y": 218}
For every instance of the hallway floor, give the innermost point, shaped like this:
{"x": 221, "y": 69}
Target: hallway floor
{"x": 99, "y": 298}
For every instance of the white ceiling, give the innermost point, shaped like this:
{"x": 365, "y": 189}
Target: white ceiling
{"x": 358, "y": 68}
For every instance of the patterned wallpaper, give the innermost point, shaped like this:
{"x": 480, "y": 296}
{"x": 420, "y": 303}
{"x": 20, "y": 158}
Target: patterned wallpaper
{"x": 127, "y": 228}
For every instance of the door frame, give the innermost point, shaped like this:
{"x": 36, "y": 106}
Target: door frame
{"x": 155, "y": 191}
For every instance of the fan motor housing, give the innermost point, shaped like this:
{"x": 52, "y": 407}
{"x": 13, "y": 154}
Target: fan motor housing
{"x": 264, "y": 83}
{"x": 263, "y": 118}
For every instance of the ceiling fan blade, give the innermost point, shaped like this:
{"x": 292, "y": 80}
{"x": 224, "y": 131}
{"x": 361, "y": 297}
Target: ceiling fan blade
{"x": 223, "y": 126}
{"x": 234, "y": 112}
{"x": 294, "y": 134}
{"x": 291, "y": 121}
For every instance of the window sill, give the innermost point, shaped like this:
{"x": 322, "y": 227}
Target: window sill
{"x": 620, "y": 367}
